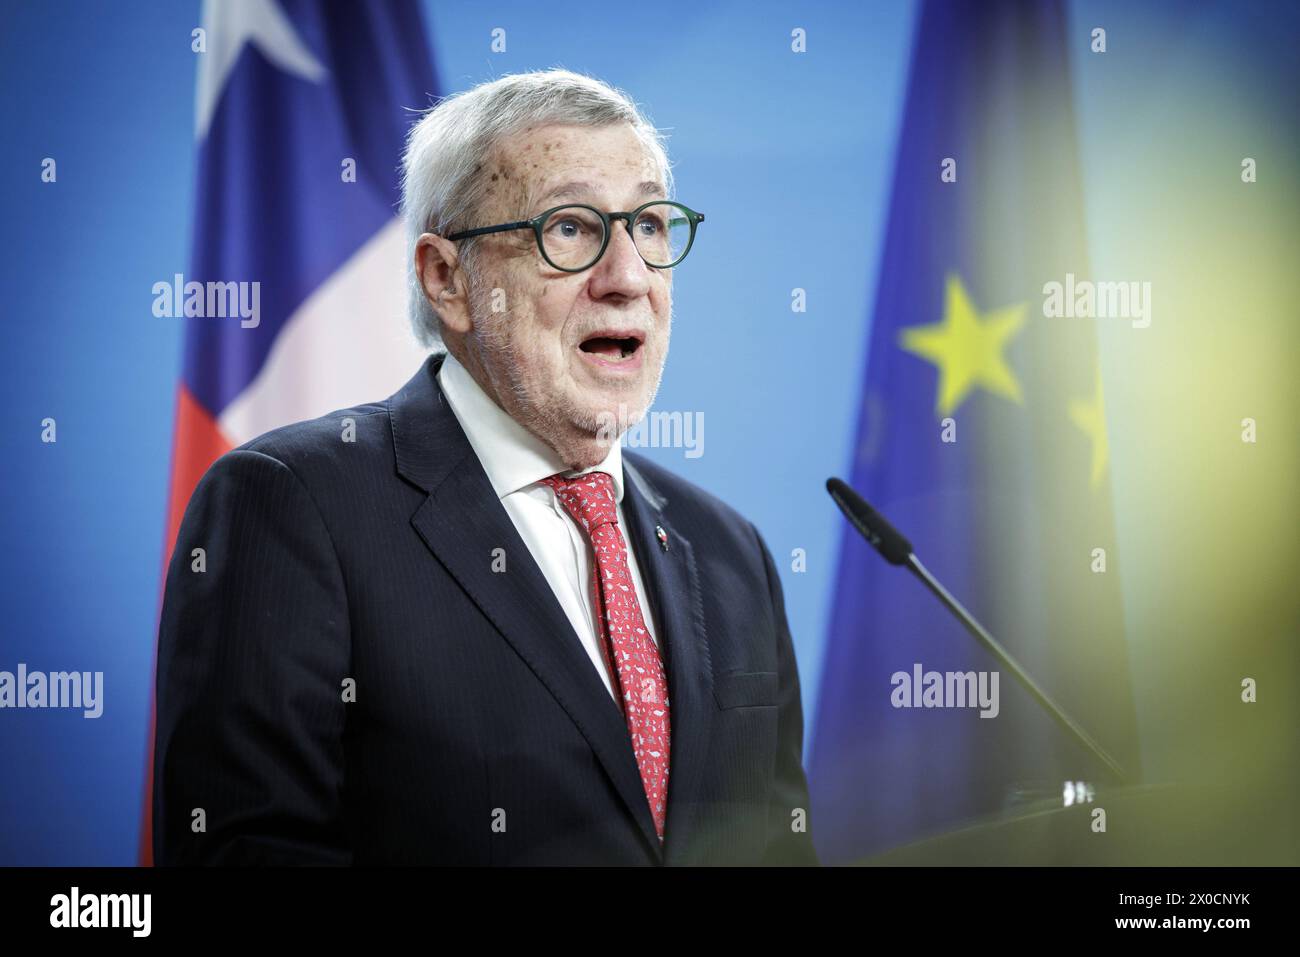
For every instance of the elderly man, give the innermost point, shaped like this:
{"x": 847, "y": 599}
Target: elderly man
{"x": 461, "y": 625}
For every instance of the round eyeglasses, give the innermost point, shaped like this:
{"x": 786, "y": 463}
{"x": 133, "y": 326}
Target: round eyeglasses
{"x": 573, "y": 238}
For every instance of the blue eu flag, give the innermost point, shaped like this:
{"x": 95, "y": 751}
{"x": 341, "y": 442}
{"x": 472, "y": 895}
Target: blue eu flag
{"x": 982, "y": 437}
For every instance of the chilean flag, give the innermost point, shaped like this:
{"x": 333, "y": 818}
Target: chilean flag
{"x": 302, "y": 109}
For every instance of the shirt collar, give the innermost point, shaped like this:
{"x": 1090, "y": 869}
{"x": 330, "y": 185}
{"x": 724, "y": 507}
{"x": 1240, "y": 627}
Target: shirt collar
{"x": 512, "y": 457}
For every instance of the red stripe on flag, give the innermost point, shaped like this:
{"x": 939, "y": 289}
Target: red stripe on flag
{"x": 198, "y": 443}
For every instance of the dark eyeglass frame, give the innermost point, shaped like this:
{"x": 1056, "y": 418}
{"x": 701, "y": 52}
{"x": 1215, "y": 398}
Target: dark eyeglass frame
{"x": 629, "y": 218}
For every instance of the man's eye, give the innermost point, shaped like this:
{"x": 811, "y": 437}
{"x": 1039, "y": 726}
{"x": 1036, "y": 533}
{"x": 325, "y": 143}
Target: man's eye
{"x": 568, "y": 228}
{"x": 650, "y": 226}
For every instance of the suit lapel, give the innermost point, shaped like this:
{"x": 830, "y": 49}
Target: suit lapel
{"x": 461, "y": 522}
{"x": 673, "y": 582}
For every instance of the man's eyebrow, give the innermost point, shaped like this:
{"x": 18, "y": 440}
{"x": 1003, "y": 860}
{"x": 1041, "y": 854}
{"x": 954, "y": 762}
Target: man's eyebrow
{"x": 577, "y": 189}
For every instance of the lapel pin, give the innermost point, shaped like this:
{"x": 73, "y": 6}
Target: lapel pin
{"x": 662, "y": 536}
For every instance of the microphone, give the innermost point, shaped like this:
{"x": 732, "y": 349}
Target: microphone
{"x": 897, "y": 550}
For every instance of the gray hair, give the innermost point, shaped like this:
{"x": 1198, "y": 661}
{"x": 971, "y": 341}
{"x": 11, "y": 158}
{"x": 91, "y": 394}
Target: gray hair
{"x": 443, "y": 178}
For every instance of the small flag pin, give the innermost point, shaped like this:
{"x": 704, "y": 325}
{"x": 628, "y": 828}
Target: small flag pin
{"x": 662, "y": 536}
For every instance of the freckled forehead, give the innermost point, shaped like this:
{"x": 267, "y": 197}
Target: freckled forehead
{"x": 541, "y": 157}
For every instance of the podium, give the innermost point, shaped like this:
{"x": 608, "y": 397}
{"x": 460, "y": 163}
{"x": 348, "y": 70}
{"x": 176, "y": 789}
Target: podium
{"x": 1165, "y": 825}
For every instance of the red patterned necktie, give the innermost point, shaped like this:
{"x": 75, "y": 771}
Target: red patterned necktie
{"x": 589, "y": 498}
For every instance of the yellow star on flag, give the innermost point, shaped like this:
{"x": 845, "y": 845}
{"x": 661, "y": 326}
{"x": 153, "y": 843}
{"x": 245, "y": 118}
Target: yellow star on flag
{"x": 1090, "y": 416}
{"x": 967, "y": 348}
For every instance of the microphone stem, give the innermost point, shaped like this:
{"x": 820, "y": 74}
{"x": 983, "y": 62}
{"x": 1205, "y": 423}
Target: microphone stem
{"x": 1010, "y": 664}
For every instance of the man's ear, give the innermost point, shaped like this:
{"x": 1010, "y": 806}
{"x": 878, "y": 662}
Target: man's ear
{"x": 437, "y": 264}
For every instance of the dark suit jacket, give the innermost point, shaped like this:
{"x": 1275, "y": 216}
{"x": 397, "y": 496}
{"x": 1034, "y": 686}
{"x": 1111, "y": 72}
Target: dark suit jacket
{"x": 480, "y": 732}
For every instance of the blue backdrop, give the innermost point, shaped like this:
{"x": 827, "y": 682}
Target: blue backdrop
{"x": 755, "y": 131}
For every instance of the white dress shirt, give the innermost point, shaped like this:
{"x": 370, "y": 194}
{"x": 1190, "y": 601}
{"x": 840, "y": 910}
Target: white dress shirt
{"x": 516, "y": 461}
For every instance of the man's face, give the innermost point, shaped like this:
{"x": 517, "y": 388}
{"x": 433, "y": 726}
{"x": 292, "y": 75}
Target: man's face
{"x": 564, "y": 352}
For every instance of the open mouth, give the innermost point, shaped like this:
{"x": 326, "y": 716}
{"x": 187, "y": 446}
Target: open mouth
{"x": 613, "y": 345}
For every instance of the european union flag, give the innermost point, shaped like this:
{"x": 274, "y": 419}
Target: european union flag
{"x": 982, "y": 436}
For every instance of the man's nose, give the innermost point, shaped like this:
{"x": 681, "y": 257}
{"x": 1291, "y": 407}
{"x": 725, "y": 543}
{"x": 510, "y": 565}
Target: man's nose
{"x": 621, "y": 271}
